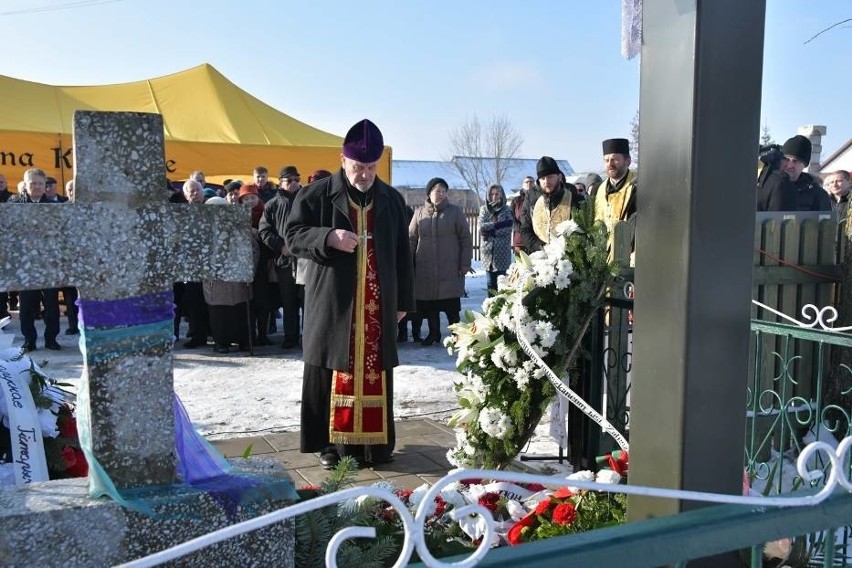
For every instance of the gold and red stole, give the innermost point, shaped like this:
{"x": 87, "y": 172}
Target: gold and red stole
{"x": 359, "y": 393}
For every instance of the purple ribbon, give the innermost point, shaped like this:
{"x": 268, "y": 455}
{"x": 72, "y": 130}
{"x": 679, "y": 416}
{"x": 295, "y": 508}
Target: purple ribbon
{"x": 137, "y": 310}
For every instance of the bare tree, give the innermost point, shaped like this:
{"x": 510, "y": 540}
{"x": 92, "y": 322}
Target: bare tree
{"x": 481, "y": 151}
{"x": 634, "y": 142}
{"x": 765, "y": 136}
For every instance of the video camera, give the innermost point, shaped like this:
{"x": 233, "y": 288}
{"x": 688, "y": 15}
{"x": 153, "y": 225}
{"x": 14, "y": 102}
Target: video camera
{"x": 771, "y": 156}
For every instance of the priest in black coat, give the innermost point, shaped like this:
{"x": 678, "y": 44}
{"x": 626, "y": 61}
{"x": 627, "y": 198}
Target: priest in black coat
{"x": 359, "y": 285}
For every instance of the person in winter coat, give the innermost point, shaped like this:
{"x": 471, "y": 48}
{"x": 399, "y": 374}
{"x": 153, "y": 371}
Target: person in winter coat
{"x": 358, "y": 286}
{"x": 797, "y": 156}
{"x": 495, "y": 228}
{"x": 552, "y": 207}
{"x": 443, "y": 250}
{"x": 228, "y": 304}
{"x": 261, "y": 304}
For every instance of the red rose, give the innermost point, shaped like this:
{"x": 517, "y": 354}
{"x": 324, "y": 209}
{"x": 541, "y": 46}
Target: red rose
{"x": 564, "y": 514}
{"x": 542, "y": 507}
{"x": 490, "y": 501}
{"x": 535, "y": 486}
{"x": 563, "y": 493}
{"x": 520, "y": 529}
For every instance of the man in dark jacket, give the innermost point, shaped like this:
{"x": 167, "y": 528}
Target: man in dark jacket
{"x": 271, "y": 229}
{"x": 775, "y": 191}
{"x": 360, "y": 284}
{"x": 797, "y": 156}
{"x": 32, "y": 300}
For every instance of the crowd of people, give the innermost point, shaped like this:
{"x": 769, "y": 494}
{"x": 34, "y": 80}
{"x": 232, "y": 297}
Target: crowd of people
{"x": 348, "y": 263}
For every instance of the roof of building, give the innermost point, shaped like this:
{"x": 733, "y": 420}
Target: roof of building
{"x": 826, "y": 164}
{"x": 415, "y": 173}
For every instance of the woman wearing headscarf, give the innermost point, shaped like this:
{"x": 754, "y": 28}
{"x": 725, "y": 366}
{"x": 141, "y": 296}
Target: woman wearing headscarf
{"x": 495, "y": 228}
{"x": 442, "y": 248}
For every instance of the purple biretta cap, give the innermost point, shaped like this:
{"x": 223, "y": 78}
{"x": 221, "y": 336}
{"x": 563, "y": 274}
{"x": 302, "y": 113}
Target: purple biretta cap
{"x": 364, "y": 142}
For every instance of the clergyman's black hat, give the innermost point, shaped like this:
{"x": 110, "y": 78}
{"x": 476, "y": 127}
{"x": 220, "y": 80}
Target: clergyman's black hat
{"x": 616, "y": 146}
{"x": 546, "y": 166}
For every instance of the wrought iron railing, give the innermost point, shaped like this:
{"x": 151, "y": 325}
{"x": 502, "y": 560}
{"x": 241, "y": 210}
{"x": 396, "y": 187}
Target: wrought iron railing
{"x": 675, "y": 539}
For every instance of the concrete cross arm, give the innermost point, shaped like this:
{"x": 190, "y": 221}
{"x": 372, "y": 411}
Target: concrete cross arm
{"x": 115, "y": 251}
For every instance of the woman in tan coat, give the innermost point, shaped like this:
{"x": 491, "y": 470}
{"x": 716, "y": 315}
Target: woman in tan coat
{"x": 442, "y": 248}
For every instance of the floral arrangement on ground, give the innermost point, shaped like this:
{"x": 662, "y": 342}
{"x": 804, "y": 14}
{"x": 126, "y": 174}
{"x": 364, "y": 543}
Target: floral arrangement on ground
{"x": 522, "y": 513}
{"x": 502, "y": 391}
{"x": 55, "y": 414}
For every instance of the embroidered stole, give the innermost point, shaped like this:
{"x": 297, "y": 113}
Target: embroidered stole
{"x": 545, "y": 220}
{"x": 359, "y": 393}
{"x": 610, "y": 208}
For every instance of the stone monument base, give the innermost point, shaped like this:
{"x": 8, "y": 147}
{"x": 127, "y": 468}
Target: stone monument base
{"x": 56, "y": 523}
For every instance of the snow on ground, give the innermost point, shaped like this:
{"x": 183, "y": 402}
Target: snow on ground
{"x": 234, "y": 395}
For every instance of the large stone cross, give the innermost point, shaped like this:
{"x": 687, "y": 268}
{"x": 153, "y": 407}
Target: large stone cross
{"x": 123, "y": 246}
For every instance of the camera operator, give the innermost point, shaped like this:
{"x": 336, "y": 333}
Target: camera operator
{"x": 775, "y": 191}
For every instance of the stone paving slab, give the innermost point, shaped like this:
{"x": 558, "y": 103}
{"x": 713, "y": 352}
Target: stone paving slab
{"x": 420, "y": 456}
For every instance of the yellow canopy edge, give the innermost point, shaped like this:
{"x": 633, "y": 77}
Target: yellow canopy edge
{"x": 210, "y": 124}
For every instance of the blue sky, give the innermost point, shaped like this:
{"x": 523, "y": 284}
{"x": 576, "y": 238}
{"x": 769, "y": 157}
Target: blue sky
{"x": 420, "y": 68}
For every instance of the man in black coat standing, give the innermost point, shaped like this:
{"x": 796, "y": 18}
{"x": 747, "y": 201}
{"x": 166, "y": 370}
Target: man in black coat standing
{"x": 358, "y": 287}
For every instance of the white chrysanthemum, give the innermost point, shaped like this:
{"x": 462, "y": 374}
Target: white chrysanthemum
{"x": 608, "y": 476}
{"x": 527, "y": 331}
{"x": 564, "y": 266}
{"x": 555, "y": 248}
{"x": 521, "y": 378}
{"x": 510, "y": 356}
{"x": 494, "y": 423}
{"x": 565, "y": 228}
{"x": 547, "y": 333}
{"x": 584, "y": 475}
{"x": 503, "y": 356}
{"x": 538, "y": 372}
{"x": 451, "y": 495}
{"x": 545, "y": 274}
{"x": 516, "y": 510}
{"x": 562, "y": 281}
{"x": 417, "y": 496}
{"x": 505, "y": 319}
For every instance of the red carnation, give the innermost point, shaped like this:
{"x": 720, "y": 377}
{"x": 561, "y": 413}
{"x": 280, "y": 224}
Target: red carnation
{"x": 564, "y": 514}
{"x": 67, "y": 425}
{"x": 440, "y": 505}
{"x": 404, "y": 495}
{"x": 563, "y": 493}
{"x": 490, "y": 501}
{"x": 75, "y": 462}
{"x": 542, "y": 507}
{"x": 516, "y": 534}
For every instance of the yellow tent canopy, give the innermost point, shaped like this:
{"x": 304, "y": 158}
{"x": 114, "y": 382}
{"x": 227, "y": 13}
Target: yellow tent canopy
{"x": 210, "y": 125}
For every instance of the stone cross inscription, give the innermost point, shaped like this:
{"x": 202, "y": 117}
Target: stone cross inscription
{"x": 123, "y": 245}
